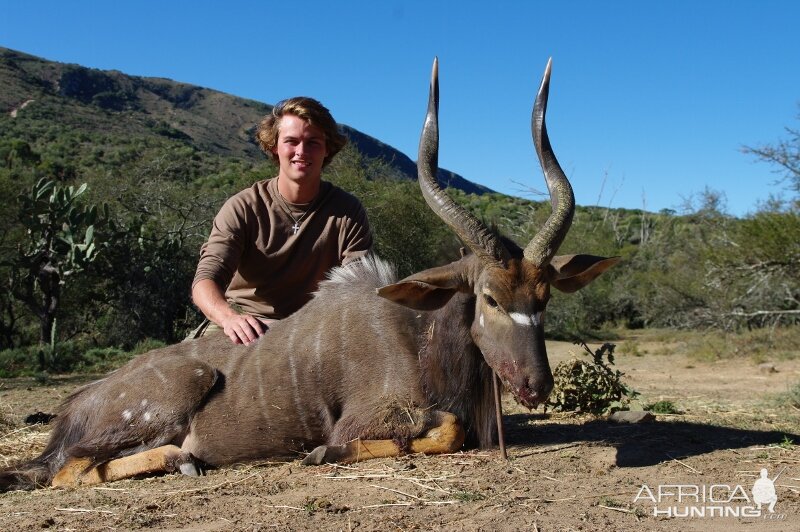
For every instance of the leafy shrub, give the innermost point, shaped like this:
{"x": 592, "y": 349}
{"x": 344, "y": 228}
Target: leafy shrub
{"x": 662, "y": 407}
{"x": 67, "y": 357}
{"x": 62, "y": 357}
{"x": 148, "y": 344}
{"x": 15, "y": 362}
{"x": 591, "y": 387}
{"x": 101, "y": 360}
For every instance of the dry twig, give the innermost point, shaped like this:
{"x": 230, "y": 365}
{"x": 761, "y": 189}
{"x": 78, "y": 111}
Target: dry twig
{"x": 687, "y": 466}
{"x": 283, "y": 506}
{"x": 215, "y": 486}
{"x": 398, "y": 491}
{"x": 84, "y": 510}
{"x": 623, "y": 510}
{"x": 551, "y": 449}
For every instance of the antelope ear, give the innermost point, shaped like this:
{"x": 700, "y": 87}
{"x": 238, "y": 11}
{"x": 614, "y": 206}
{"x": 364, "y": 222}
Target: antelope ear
{"x": 426, "y": 290}
{"x": 570, "y": 273}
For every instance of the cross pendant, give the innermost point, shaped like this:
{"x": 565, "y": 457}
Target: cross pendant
{"x": 295, "y": 228}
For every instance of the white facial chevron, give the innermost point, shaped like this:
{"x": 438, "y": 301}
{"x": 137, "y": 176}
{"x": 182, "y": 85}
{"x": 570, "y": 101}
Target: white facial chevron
{"x": 525, "y": 320}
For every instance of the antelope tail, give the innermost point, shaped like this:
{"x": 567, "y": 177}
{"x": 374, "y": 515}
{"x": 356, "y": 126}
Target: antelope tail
{"x": 25, "y": 476}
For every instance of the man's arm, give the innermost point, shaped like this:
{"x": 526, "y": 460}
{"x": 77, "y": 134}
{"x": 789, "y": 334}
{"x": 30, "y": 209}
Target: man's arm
{"x": 240, "y": 328}
{"x": 219, "y": 260}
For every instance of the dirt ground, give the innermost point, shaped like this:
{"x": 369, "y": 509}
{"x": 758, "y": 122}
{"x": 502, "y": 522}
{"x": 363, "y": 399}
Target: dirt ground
{"x": 564, "y": 473}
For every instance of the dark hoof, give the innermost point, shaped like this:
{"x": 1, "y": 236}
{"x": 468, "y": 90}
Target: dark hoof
{"x": 190, "y": 469}
{"x": 315, "y": 457}
{"x": 185, "y": 463}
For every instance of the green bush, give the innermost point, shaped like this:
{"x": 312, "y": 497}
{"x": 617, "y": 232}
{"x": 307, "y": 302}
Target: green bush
{"x": 148, "y": 344}
{"x": 101, "y": 360}
{"x": 590, "y": 386}
{"x": 663, "y": 407}
{"x": 68, "y": 357}
{"x": 16, "y": 362}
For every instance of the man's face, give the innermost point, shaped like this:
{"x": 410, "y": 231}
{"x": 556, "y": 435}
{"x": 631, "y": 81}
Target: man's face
{"x": 301, "y": 149}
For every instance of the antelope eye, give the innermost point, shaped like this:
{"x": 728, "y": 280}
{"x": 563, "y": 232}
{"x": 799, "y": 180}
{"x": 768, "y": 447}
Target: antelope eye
{"x": 490, "y": 301}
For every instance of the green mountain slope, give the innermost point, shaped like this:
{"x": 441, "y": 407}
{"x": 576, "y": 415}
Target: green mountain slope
{"x": 114, "y": 103}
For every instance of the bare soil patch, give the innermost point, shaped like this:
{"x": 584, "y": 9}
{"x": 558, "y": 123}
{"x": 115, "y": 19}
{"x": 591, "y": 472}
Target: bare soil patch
{"x": 565, "y": 472}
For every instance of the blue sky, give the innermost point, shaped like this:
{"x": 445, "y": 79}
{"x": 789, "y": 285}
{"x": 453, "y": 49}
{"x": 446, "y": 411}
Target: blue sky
{"x": 650, "y": 101}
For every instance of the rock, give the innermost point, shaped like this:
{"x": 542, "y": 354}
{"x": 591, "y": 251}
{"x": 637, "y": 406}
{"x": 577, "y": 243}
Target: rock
{"x": 767, "y": 367}
{"x": 631, "y": 416}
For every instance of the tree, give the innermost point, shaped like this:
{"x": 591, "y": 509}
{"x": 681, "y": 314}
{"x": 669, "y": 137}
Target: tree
{"x": 59, "y": 243}
{"x": 759, "y": 273}
{"x": 770, "y": 245}
{"x": 785, "y": 155}
{"x": 145, "y": 275}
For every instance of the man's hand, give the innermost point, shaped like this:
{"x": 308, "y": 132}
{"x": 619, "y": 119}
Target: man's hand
{"x": 240, "y": 328}
{"x": 243, "y": 328}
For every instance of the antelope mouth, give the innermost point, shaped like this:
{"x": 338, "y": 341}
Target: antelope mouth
{"x": 529, "y": 398}
{"x": 526, "y": 395}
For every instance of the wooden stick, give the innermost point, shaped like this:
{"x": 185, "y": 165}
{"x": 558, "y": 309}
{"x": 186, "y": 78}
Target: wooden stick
{"x": 499, "y": 410}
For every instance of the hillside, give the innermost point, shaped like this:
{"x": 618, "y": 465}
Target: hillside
{"x": 159, "y": 157}
{"x": 114, "y": 103}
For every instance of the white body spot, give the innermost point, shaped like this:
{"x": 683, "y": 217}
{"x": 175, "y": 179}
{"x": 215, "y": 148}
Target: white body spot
{"x": 147, "y": 416}
{"x": 144, "y": 403}
{"x": 480, "y": 320}
{"x": 122, "y": 395}
{"x": 127, "y": 415}
{"x": 199, "y": 372}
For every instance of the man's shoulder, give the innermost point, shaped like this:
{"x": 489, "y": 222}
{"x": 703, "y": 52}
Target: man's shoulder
{"x": 246, "y": 204}
{"x": 341, "y": 197}
{"x": 255, "y": 193}
{"x": 259, "y": 188}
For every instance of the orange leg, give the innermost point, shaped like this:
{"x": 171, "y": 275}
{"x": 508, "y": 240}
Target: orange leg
{"x": 165, "y": 459}
{"x": 448, "y": 437}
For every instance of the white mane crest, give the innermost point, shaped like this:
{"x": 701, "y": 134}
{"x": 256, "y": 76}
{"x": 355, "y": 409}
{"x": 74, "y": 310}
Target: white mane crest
{"x": 370, "y": 269}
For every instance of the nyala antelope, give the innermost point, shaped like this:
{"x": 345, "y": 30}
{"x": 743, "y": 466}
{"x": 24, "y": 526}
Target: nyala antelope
{"x": 371, "y": 367}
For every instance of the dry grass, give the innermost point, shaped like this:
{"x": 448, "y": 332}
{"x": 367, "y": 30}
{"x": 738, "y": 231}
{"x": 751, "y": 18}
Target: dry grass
{"x": 17, "y": 440}
{"x": 760, "y": 345}
{"x": 17, "y": 444}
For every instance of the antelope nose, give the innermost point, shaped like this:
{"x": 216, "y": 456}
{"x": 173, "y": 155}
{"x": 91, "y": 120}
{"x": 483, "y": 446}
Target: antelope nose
{"x": 533, "y": 393}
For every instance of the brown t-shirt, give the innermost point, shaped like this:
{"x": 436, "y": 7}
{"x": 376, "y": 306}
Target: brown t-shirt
{"x": 269, "y": 270}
